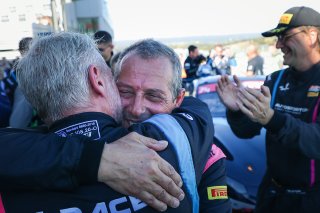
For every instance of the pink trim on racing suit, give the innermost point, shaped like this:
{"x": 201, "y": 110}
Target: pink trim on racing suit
{"x": 215, "y": 155}
{"x": 312, "y": 162}
{"x": 1, "y": 206}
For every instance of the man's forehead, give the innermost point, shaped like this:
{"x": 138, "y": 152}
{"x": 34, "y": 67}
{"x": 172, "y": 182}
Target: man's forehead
{"x": 144, "y": 88}
{"x": 159, "y": 65}
{"x": 146, "y": 74}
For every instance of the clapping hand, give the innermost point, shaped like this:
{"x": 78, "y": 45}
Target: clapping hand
{"x": 255, "y": 104}
{"x": 228, "y": 92}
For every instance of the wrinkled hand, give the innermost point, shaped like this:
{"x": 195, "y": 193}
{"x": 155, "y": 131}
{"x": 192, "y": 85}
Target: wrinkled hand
{"x": 131, "y": 166}
{"x": 256, "y": 104}
{"x": 228, "y": 91}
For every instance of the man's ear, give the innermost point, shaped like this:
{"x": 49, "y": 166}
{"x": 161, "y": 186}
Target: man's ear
{"x": 96, "y": 80}
{"x": 180, "y": 97}
{"x": 313, "y": 36}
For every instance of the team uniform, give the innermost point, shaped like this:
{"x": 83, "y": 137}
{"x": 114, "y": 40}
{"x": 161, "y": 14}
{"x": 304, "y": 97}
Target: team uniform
{"x": 9, "y": 83}
{"x": 256, "y": 65}
{"x": 5, "y": 109}
{"x": 291, "y": 183}
{"x": 191, "y": 67}
{"x": 188, "y": 130}
{"x": 18, "y": 111}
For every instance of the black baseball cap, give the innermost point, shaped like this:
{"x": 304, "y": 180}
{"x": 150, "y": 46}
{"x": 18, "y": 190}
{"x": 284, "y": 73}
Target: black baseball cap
{"x": 295, "y": 17}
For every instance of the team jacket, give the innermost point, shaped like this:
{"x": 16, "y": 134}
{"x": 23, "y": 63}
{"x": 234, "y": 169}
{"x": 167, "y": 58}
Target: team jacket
{"x": 293, "y": 133}
{"x": 191, "y": 67}
{"x": 190, "y": 159}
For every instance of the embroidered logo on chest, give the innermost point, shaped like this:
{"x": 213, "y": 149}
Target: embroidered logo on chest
{"x": 284, "y": 88}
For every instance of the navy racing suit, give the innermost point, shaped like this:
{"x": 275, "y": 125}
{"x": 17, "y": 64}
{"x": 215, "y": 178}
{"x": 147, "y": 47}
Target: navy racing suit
{"x": 190, "y": 159}
{"x": 291, "y": 183}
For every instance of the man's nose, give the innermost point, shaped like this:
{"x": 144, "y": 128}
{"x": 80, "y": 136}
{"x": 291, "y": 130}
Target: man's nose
{"x": 138, "y": 107}
{"x": 279, "y": 44}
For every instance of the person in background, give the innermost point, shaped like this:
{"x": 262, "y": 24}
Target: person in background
{"x": 105, "y": 45}
{"x": 23, "y": 115}
{"x": 228, "y": 52}
{"x": 220, "y": 61}
{"x": 5, "y": 65}
{"x": 273, "y": 60}
{"x": 9, "y": 83}
{"x": 5, "y": 109}
{"x": 191, "y": 64}
{"x": 288, "y": 107}
{"x": 210, "y": 57}
{"x": 255, "y": 61}
{"x": 204, "y": 69}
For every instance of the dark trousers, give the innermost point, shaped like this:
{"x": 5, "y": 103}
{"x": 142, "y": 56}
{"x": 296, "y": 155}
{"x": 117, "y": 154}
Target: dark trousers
{"x": 273, "y": 198}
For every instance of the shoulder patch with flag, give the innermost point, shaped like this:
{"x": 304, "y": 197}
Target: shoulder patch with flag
{"x": 313, "y": 91}
{"x": 217, "y": 192}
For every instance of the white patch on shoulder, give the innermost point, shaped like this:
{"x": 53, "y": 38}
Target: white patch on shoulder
{"x": 187, "y": 116}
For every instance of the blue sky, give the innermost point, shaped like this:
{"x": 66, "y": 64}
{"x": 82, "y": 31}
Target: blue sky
{"x": 136, "y": 19}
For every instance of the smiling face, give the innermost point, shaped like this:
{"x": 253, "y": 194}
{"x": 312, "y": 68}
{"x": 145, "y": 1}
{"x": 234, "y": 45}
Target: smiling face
{"x": 145, "y": 88}
{"x": 296, "y": 44}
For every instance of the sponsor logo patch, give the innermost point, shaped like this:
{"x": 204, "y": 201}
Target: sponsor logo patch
{"x": 285, "y": 18}
{"x": 284, "y": 88}
{"x": 313, "y": 91}
{"x": 313, "y": 94}
{"x": 217, "y": 192}
{"x": 87, "y": 128}
{"x": 187, "y": 116}
{"x": 290, "y": 109}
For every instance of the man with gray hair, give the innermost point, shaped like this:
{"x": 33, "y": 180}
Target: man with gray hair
{"x": 148, "y": 77}
{"x": 97, "y": 99}
{"x": 157, "y": 70}
{"x": 75, "y": 161}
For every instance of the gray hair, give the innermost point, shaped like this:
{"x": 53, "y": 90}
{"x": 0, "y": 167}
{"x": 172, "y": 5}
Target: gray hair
{"x": 54, "y": 73}
{"x": 151, "y": 49}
